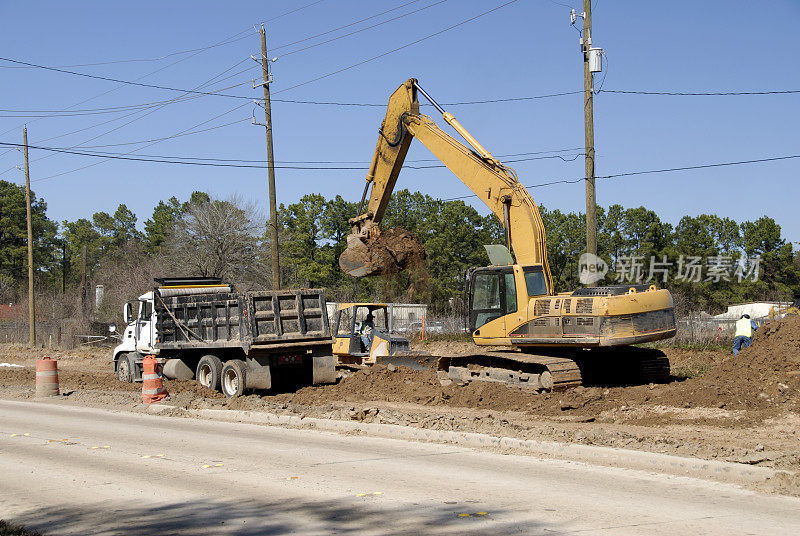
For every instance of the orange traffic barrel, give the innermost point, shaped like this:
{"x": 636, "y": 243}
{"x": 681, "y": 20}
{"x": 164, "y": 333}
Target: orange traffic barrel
{"x": 47, "y": 377}
{"x": 153, "y": 389}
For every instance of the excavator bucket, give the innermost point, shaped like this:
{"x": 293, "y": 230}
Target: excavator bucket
{"x": 391, "y": 251}
{"x": 356, "y": 259}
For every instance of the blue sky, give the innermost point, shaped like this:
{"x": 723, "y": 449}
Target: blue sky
{"x": 524, "y": 49}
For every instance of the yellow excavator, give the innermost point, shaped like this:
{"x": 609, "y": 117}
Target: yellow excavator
{"x": 549, "y": 340}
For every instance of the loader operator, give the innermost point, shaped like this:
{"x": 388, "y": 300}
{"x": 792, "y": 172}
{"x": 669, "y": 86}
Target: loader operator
{"x": 744, "y": 333}
{"x": 366, "y": 331}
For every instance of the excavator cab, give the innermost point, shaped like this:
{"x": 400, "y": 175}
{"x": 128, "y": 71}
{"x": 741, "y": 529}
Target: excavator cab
{"x": 362, "y": 334}
{"x": 494, "y": 295}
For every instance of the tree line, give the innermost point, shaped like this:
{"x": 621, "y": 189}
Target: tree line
{"x": 707, "y": 261}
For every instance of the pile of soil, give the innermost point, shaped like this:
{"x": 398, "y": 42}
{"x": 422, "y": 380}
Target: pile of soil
{"x": 397, "y": 249}
{"x": 764, "y": 375}
{"x": 403, "y": 384}
{"x": 393, "y": 251}
{"x": 68, "y": 380}
{"x": 761, "y": 382}
{"x": 73, "y": 380}
{"x": 175, "y": 387}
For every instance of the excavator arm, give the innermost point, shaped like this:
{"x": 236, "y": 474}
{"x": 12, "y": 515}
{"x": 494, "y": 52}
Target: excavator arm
{"x": 495, "y": 184}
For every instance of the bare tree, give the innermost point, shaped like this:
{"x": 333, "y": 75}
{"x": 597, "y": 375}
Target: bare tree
{"x": 125, "y": 275}
{"x": 218, "y": 238}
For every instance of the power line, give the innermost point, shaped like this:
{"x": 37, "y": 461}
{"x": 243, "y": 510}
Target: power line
{"x": 363, "y": 162}
{"x": 234, "y": 38}
{"x": 106, "y": 92}
{"x": 199, "y": 131}
{"x": 228, "y": 40}
{"x": 461, "y": 23}
{"x": 276, "y": 17}
{"x": 561, "y": 4}
{"x": 462, "y": 103}
{"x": 361, "y": 29}
{"x": 702, "y": 166}
{"x": 115, "y": 109}
{"x": 699, "y": 94}
{"x": 651, "y": 171}
{"x": 145, "y": 105}
{"x": 156, "y": 108}
{"x": 121, "y": 109}
{"x": 260, "y": 165}
{"x": 176, "y": 99}
{"x": 182, "y": 132}
{"x": 286, "y": 45}
{"x": 228, "y": 163}
{"x": 128, "y": 82}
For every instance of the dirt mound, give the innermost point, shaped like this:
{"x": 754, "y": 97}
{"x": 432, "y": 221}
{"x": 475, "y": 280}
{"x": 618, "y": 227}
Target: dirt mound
{"x": 175, "y": 387}
{"x": 68, "y": 380}
{"x": 767, "y": 374}
{"x": 406, "y": 385}
{"x": 759, "y": 383}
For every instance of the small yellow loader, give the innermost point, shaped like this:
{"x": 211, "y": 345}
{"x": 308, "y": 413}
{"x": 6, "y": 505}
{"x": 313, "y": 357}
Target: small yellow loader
{"x": 352, "y": 334}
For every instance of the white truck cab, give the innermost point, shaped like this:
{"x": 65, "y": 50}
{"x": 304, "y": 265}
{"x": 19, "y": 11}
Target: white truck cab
{"x": 138, "y": 337}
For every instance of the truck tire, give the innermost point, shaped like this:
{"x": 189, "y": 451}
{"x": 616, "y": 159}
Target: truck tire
{"x": 125, "y": 364}
{"x": 209, "y": 369}
{"x": 234, "y": 378}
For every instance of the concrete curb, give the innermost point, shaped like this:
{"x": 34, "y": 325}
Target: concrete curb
{"x": 727, "y": 472}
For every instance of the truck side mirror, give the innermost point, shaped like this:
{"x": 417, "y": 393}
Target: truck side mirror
{"x": 112, "y": 328}
{"x": 127, "y": 312}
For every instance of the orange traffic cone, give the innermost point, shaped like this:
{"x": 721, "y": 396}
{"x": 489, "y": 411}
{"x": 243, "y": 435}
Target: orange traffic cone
{"x": 47, "y": 377}
{"x": 152, "y": 387}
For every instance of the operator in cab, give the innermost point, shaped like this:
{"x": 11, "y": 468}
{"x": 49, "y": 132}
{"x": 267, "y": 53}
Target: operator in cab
{"x": 366, "y": 330}
{"x": 744, "y": 333}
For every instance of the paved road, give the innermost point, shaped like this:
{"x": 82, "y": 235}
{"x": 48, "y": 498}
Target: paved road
{"x": 88, "y": 471}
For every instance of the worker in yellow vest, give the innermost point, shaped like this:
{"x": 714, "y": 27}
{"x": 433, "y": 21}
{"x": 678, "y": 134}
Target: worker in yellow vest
{"x": 744, "y": 333}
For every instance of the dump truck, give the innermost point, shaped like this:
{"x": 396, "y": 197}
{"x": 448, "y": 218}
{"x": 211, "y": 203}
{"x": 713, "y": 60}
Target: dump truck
{"x": 204, "y": 329}
{"x": 550, "y": 339}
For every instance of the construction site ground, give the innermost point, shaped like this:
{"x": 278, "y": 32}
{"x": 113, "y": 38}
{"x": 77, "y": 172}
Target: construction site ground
{"x": 743, "y": 409}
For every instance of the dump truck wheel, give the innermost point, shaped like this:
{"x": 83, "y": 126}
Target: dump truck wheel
{"x": 234, "y": 378}
{"x": 124, "y": 371}
{"x": 209, "y": 369}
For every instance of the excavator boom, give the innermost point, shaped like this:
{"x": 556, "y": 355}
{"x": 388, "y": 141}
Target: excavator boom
{"x": 370, "y": 253}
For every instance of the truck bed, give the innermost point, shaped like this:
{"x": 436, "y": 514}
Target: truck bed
{"x": 255, "y": 320}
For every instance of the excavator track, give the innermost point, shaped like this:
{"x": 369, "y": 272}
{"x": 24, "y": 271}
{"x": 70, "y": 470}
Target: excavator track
{"x": 561, "y": 370}
{"x": 535, "y": 372}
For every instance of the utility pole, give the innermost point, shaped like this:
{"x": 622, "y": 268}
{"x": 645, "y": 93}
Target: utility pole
{"x": 31, "y": 301}
{"x": 588, "y": 116}
{"x": 83, "y": 284}
{"x": 63, "y": 266}
{"x": 273, "y": 206}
